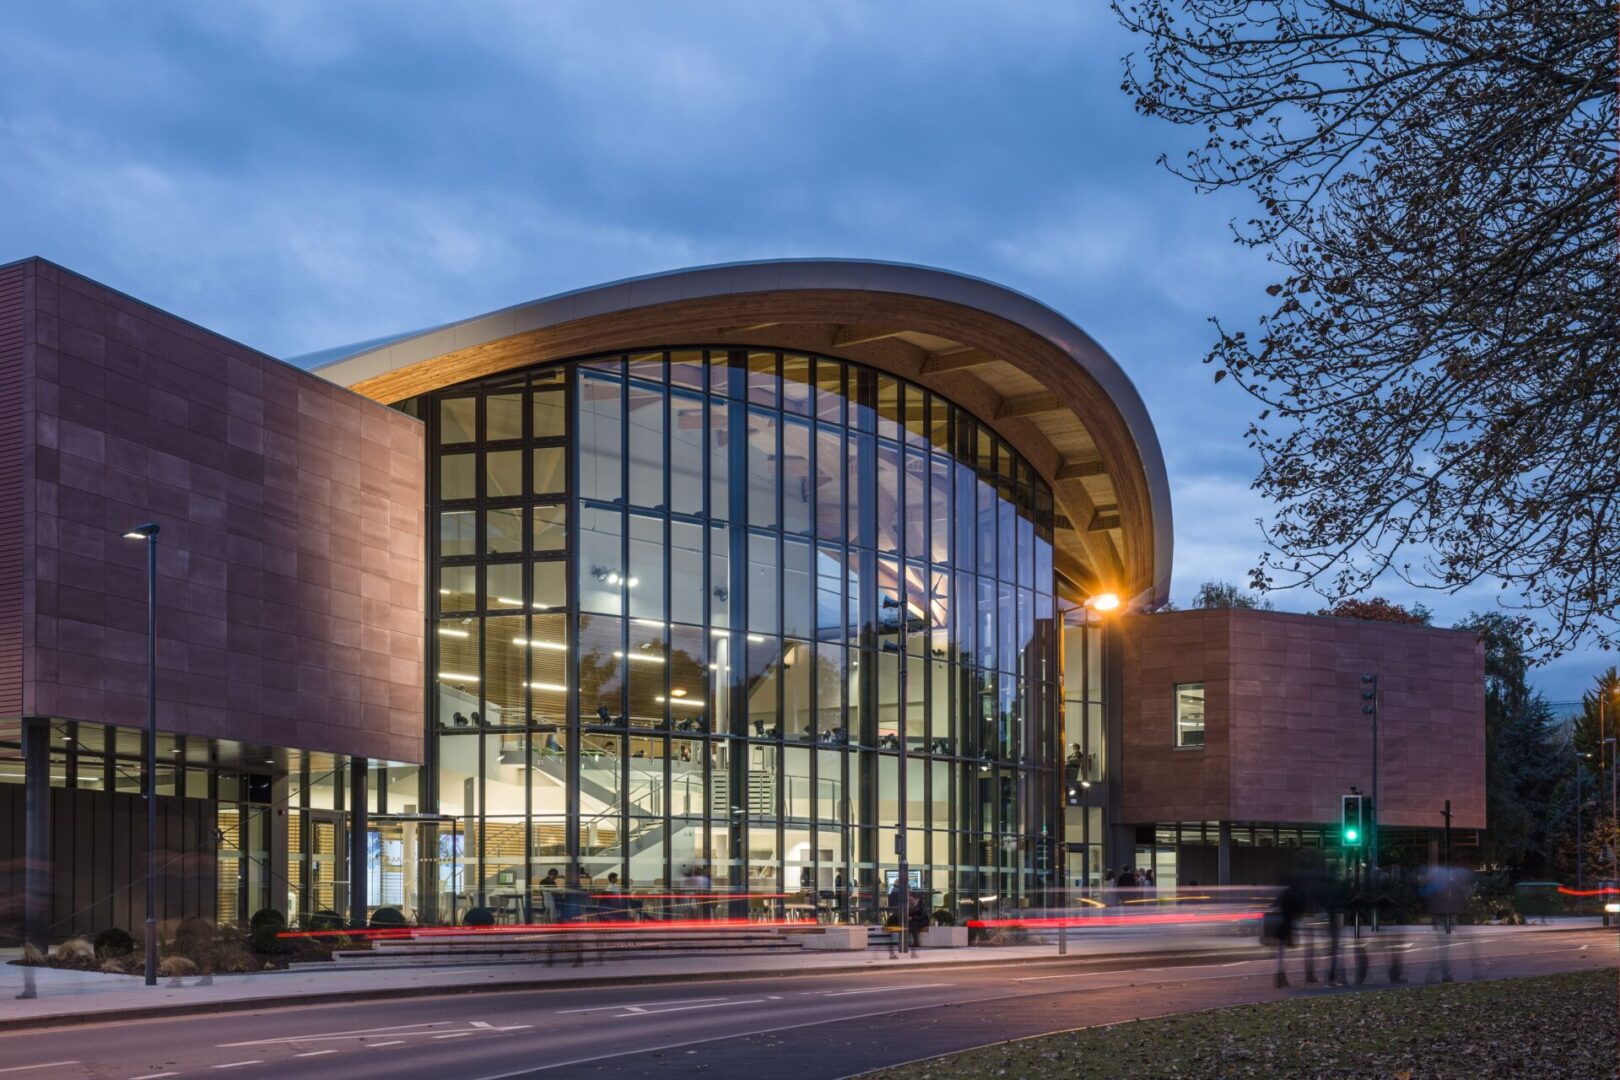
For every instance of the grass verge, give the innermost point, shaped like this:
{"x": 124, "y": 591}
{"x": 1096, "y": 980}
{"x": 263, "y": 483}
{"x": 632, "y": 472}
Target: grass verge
{"x": 1552, "y": 1026}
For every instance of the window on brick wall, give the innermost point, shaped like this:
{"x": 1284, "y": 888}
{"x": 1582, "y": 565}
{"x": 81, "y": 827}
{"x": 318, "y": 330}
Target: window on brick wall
{"x": 1189, "y": 715}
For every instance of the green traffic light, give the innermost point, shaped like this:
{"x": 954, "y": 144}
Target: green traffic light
{"x": 1351, "y": 835}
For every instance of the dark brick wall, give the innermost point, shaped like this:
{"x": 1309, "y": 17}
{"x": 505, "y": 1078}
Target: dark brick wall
{"x": 13, "y": 332}
{"x": 290, "y": 562}
{"x": 1285, "y": 733}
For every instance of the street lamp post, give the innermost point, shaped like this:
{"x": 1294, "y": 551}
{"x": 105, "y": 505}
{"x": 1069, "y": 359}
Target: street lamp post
{"x": 1579, "y": 855}
{"x": 149, "y": 533}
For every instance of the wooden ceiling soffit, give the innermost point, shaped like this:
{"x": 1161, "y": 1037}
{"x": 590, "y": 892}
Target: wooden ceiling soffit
{"x": 1075, "y": 504}
{"x": 1078, "y": 470}
{"x": 940, "y": 363}
{"x": 860, "y": 335}
{"x": 1028, "y": 405}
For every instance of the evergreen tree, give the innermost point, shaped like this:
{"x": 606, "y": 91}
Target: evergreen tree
{"x": 1525, "y": 801}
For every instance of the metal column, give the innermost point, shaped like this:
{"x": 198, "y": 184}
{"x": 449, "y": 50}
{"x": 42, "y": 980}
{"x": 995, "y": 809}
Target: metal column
{"x": 36, "y": 746}
{"x": 358, "y": 833}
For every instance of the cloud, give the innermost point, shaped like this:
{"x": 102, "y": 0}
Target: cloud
{"x": 299, "y": 174}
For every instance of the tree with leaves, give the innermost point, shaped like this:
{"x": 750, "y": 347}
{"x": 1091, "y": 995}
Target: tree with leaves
{"x": 1439, "y": 380}
{"x": 1377, "y": 609}
{"x": 1224, "y": 594}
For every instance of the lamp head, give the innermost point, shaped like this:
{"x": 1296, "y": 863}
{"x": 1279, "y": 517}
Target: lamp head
{"x": 1106, "y": 601}
{"x": 148, "y": 531}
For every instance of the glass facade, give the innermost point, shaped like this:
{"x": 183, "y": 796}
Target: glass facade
{"x": 741, "y": 617}
{"x": 1085, "y": 762}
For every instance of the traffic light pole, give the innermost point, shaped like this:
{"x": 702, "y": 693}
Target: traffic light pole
{"x": 1370, "y": 695}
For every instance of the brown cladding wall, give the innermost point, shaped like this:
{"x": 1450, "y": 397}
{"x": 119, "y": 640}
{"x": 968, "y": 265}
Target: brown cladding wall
{"x": 12, "y": 333}
{"x": 290, "y": 561}
{"x": 1285, "y": 735}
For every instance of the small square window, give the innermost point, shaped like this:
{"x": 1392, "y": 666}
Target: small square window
{"x": 1189, "y": 715}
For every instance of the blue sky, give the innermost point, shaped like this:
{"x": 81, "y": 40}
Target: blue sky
{"x": 303, "y": 174}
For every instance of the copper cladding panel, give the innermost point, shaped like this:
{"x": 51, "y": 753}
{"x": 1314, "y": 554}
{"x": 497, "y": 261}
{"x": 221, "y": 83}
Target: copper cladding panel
{"x": 291, "y": 556}
{"x": 1285, "y": 735}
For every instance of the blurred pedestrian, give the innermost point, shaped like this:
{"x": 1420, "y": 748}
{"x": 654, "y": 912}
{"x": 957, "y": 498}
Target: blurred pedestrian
{"x": 1336, "y": 897}
{"x": 1446, "y": 895}
{"x": 1280, "y": 926}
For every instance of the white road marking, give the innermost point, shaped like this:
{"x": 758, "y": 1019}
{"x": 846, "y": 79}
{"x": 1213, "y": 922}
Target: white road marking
{"x": 390, "y": 1042}
{"x": 41, "y": 1065}
{"x": 1237, "y": 963}
{"x": 314, "y": 1053}
{"x": 153, "y": 1076}
{"x": 454, "y": 1035}
{"x": 1583, "y": 948}
{"x": 639, "y": 1005}
{"x": 239, "y": 1064}
{"x": 357, "y": 1033}
{"x": 635, "y": 1011}
{"x": 1071, "y": 975}
{"x": 880, "y": 989}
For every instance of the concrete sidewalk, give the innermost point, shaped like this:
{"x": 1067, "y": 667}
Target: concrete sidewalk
{"x": 75, "y": 997}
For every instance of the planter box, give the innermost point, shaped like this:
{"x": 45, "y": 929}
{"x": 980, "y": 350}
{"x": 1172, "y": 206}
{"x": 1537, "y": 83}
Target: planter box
{"x": 944, "y": 937}
{"x": 837, "y": 939}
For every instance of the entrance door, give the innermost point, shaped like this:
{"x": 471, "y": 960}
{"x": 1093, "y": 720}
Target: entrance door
{"x": 326, "y": 888}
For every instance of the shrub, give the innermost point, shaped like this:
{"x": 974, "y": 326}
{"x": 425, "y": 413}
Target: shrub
{"x": 231, "y": 957}
{"x": 325, "y": 919}
{"x": 194, "y": 934}
{"x": 76, "y": 951}
{"x": 388, "y": 917}
{"x": 1011, "y": 934}
{"x": 268, "y": 917}
{"x": 173, "y": 967}
{"x": 478, "y": 916}
{"x": 265, "y": 940}
{"x": 944, "y": 917}
{"x": 113, "y": 942}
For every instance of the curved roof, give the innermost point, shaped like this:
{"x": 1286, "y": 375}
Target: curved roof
{"x": 1033, "y": 375}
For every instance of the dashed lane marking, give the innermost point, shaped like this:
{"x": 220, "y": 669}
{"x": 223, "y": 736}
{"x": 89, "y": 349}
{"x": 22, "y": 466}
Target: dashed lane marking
{"x": 454, "y": 1035}
{"x": 639, "y": 1005}
{"x": 355, "y": 1034}
{"x": 41, "y": 1065}
{"x": 314, "y": 1053}
{"x": 636, "y": 1011}
{"x": 153, "y": 1076}
{"x": 239, "y": 1064}
{"x": 390, "y": 1042}
{"x": 880, "y": 989}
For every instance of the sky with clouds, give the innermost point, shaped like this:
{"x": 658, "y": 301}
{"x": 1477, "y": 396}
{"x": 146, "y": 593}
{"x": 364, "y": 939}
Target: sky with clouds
{"x": 298, "y": 174}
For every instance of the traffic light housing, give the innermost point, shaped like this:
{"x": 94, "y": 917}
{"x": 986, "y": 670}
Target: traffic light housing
{"x": 1353, "y": 820}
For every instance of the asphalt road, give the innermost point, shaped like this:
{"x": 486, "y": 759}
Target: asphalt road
{"x": 805, "y": 1026}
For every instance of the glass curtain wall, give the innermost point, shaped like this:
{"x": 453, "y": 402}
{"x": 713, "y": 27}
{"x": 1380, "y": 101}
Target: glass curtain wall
{"x": 727, "y": 622}
{"x": 1085, "y": 770}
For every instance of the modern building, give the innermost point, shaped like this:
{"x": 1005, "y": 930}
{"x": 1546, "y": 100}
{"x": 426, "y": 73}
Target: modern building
{"x": 776, "y": 577}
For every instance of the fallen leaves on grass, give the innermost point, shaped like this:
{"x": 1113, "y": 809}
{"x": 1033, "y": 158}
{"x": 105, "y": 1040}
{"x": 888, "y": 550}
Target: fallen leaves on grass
{"x": 1557, "y": 1027}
